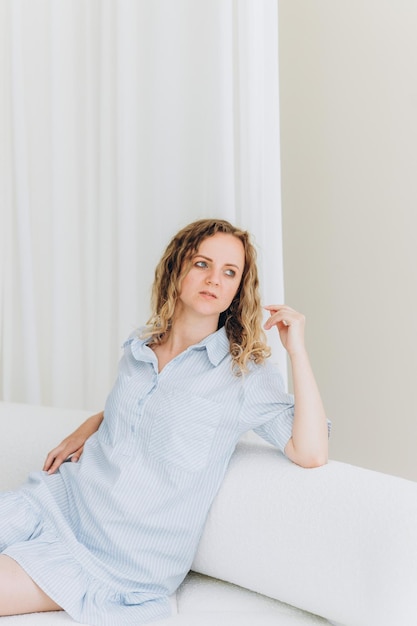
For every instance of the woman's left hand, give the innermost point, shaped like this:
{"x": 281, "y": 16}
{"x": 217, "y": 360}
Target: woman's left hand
{"x": 290, "y": 325}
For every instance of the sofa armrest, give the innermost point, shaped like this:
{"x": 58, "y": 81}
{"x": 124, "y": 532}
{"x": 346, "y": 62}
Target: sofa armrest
{"x": 338, "y": 541}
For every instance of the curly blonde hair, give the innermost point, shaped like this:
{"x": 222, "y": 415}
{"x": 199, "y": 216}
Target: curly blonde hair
{"x": 242, "y": 320}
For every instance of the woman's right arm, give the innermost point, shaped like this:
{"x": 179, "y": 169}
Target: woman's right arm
{"x": 72, "y": 445}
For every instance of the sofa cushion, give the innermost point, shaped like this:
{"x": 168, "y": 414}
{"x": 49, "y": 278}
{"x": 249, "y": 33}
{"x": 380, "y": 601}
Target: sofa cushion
{"x": 201, "y": 594}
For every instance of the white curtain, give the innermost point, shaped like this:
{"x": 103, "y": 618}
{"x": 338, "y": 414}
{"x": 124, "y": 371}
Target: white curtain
{"x": 122, "y": 121}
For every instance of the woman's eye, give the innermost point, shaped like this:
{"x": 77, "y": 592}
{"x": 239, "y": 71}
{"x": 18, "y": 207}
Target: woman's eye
{"x": 231, "y": 273}
{"x": 201, "y": 264}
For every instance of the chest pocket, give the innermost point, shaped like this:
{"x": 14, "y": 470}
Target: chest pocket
{"x": 182, "y": 431}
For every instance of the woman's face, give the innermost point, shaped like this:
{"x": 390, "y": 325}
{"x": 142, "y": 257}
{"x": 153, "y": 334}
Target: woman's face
{"x": 214, "y": 277}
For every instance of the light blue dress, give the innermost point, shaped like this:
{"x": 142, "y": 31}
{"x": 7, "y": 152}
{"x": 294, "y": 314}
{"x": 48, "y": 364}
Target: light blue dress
{"x": 111, "y": 537}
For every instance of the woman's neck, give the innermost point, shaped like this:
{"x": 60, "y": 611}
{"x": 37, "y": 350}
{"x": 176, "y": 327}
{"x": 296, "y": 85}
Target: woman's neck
{"x": 176, "y": 342}
{"x": 183, "y": 335}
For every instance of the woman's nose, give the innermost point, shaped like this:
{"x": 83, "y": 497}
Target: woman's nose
{"x": 213, "y": 279}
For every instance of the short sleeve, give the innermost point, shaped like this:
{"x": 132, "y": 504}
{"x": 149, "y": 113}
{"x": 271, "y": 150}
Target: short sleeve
{"x": 268, "y": 409}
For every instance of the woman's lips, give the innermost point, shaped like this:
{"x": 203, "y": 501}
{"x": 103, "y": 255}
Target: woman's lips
{"x": 208, "y": 294}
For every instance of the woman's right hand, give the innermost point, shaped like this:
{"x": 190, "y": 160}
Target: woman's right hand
{"x": 73, "y": 445}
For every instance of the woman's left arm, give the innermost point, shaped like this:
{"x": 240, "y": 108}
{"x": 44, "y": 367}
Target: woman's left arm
{"x": 308, "y": 445}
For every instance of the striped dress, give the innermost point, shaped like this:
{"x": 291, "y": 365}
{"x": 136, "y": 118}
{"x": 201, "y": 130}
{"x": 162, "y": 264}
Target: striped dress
{"x": 111, "y": 537}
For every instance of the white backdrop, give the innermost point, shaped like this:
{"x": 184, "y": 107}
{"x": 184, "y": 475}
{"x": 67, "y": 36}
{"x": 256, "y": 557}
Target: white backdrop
{"x": 123, "y": 120}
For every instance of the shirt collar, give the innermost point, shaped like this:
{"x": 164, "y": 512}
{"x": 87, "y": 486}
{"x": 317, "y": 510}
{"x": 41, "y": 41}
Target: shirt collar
{"x": 216, "y": 346}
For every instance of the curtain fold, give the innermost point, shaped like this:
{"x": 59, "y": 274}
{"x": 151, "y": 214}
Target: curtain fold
{"x": 123, "y": 120}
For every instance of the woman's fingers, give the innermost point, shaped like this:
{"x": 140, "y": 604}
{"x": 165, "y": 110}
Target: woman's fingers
{"x": 76, "y": 456}
{"x": 53, "y": 456}
{"x": 58, "y": 455}
{"x": 290, "y": 325}
{"x": 73, "y": 445}
{"x": 282, "y": 314}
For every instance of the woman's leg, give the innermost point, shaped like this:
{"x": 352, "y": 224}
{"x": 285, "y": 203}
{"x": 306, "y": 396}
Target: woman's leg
{"x": 19, "y": 593}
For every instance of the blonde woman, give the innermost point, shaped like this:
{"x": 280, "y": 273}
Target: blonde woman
{"x": 109, "y": 536}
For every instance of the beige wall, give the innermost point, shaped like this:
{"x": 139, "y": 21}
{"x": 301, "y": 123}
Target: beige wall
{"x": 348, "y": 72}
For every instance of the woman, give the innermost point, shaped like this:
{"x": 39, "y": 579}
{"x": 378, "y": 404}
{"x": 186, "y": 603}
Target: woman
{"x": 110, "y": 537}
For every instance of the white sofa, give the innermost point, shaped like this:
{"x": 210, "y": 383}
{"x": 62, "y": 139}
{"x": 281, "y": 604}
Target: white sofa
{"x": 283, "y": 546}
